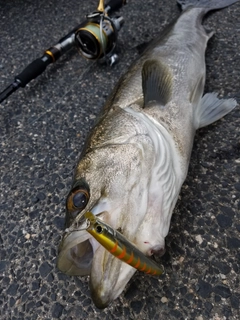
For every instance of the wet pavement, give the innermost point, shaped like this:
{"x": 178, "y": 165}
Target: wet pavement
{"x": 42, "y": 131}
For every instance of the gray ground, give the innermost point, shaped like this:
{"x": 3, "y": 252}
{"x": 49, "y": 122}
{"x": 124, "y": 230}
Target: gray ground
{"x": 43, "y": 128}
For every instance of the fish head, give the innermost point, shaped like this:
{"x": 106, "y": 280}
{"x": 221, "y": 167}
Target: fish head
{"x": 112, "y": 183}
{"x": 113, "y": 180}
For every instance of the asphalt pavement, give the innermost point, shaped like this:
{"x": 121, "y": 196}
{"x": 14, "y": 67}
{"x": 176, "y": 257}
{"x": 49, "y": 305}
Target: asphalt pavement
{"x": 42, "y": 131}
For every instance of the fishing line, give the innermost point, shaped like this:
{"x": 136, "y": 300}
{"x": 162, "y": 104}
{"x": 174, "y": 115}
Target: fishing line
{"x": 73, "y": 228}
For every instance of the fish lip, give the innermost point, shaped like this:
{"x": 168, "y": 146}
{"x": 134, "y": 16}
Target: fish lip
{"x": 101, "y": 298}
{"x": 100, "y": 301}
{"x": 104, "y": 276}
{"x": 108, "y": 278}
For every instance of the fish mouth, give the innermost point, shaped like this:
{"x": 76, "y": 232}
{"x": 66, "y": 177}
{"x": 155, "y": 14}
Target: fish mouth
{"x": 75, "y": 253}
{"x": 80, "y": 255}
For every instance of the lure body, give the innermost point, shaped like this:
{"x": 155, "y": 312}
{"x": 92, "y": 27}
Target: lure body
{"x": 120, "y": 247}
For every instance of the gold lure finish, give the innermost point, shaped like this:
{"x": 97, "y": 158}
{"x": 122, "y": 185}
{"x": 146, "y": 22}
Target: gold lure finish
{"x": 114, "y": 242}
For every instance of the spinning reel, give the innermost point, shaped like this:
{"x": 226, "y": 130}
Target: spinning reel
{"x": 97, "y": 38}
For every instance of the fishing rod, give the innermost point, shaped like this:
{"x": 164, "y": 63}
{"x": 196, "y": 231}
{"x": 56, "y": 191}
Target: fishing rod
{"x": 95, "y": 38}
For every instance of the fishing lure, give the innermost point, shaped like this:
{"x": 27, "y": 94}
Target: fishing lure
{"x": 114, "y": 242}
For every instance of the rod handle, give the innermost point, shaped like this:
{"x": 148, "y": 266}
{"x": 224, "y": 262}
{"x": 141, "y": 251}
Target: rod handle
{"x": 33, "y": 70}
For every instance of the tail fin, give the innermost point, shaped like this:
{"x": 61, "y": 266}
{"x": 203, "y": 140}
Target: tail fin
{"x": 208, "y": 4}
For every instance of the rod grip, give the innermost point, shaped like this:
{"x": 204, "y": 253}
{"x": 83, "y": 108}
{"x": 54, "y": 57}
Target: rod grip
{"x": 33, "y": 70}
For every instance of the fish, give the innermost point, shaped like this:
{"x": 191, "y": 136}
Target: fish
{"x": 136, "y": 158}
{"x": 120, "y": 247}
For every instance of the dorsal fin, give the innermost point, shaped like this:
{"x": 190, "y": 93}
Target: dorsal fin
{"x": 156, "y": 83}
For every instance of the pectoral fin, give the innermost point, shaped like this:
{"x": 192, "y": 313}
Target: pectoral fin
{"x": 156, "y": 83}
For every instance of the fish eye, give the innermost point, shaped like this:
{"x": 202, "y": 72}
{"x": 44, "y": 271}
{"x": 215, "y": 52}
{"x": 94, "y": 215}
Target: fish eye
{"x": 77, "y": 199}
{"x": 99, "y": 228}
{"x": 80, "y": 199}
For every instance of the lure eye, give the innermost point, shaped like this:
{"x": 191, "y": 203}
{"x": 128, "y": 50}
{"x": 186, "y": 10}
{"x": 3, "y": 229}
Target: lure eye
{"x": 99, "y": 229}
{"x": 77, "y": 199}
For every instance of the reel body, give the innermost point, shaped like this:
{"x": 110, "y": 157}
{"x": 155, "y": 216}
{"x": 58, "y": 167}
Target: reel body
{"x": 98, "y": 37}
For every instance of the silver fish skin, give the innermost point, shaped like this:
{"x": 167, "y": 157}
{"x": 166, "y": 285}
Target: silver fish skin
{"x": 137, "y": 156}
